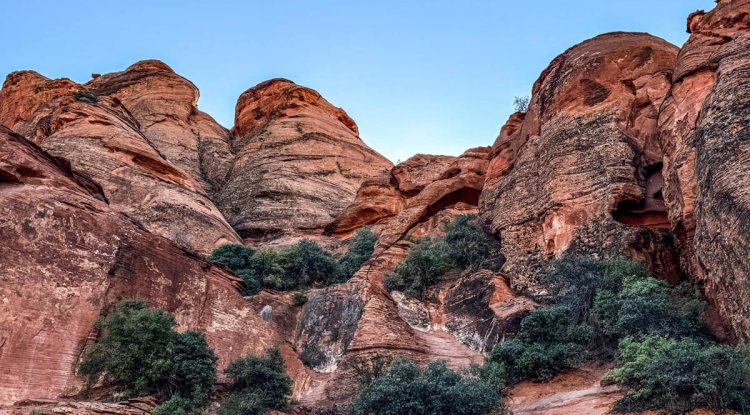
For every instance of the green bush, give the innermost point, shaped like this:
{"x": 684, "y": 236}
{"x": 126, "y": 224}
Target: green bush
{"x": 241, "y": 260}
{"x": 302, "y": 265}
{"x": 620, "y": 298}
{"x": 678, "y": 375}
{"x": 548, "y": 342}
{"x": 299, "y": 298}
{"x": 141, "y": 351}
{"x": 259, "y": 384}
{"x": 465, "y": 246}
{"x": 360, "y": 250}
{"x": 649, "y": 307}
{"x": 85, "y": 96}
{"x": 176, "y": 405}
{"x": 435, "y": 390}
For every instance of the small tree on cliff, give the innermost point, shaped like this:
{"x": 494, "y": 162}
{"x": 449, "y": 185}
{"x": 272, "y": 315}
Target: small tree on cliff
{"x": 405, "y": 388}
{"x": 141, "y": 351}
{"x": 259, "y": 384}
{"x": 521, "y": 104}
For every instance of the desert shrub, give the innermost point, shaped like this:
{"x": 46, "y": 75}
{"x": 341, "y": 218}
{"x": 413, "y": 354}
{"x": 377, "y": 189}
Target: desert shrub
{"x": 307, "y": 263}
{"x": 521, "y": 104}
{"x": 435, "y": 390}
{"x": 465, "y": 246}
{"x": 176, "y": 405}
{"x": 470, "y": 246}
{"x": 649, "y": 306}
{"x": 85, "y": 96}
{"x": 368, "y": 369}
{"x": 242, "y": 261}
{"x": 299, "y": 298}
{"x": 547, "y": 343}
{"x": 259, "y": 384}
{"x": 141, "y": 351}
{"x": 619, "y": 298}
{"x": 302, "y": 265}
{"x": 678, "y": 375}
{"x": 360, "y": 250}
{"x": 426, "y": 262}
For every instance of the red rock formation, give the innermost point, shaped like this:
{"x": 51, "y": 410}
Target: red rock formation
{"x": 103, "y": 141}
{"x": 164, "y": 105}
{"x": 299, "y": 162}
{"x": 137, "y": 406}
{"x": 704, "y": 133}
{"x": 579, "y": 391}
{"x": 579, "y": 171}
{"x": 68, "y": 257}
{"x": 417, "y": 190}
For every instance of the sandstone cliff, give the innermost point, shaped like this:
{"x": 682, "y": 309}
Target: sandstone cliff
{"x": 704, "y": 133}
{"x": 299, "y": 162}
{"x": 116, "y": 188}
{"x": 68, "y": 257}
{"x": 142, "y": 177}
{"x": 580, "y": 171}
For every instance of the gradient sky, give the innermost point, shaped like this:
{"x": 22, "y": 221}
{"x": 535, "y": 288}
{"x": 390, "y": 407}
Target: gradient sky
{"x": 417, "y": 76}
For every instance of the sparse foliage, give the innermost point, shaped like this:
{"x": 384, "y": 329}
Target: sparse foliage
{"x": 259, "y": 384}
{"x": 521, "y": 103}
{"x": 465, "y": 246}
{"x": 141, "y": 351}
{"x": 85, "y": 96}
{"x": 302, "y": 265}
{"x": 405, "y": 388}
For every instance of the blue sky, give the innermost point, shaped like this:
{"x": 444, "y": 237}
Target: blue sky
{"x": 417, "y": 76}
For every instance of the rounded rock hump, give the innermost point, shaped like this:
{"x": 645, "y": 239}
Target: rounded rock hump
{"x": 278, "y": 98}
{"x": 580, "y": 168}
{"x": 138, "y": 135}
{"x": 299, "y": 163}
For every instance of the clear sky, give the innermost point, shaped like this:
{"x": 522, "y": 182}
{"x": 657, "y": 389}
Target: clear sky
{"x": 427, "y": 76}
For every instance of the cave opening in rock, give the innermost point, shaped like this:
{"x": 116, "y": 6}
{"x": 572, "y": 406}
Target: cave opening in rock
{"x": 467, "y": 195}
{"x": 649, "y": 211}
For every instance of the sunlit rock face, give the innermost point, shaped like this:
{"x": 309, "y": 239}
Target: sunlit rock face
{"x": 704, "y": 133}
{"x": 68, "y": 257}
{"x": 581, "y": 170}
{"x": 299, "y": 163}
{"x": 122, "y": 142}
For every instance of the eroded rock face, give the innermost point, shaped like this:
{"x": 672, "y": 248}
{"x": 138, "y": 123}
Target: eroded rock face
{"x": 68, "y": 258}
{"x": 164, "y": 105}
{"x": 417, "y": 190}
{"x": 706, "y": 140}
{"x": 586, "y": 152}
{"x": 299, "y": 162}
{"x": 103, "y": 141}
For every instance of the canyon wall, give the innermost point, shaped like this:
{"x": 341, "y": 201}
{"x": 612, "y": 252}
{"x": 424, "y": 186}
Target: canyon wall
{"x": 120, "y": 187}
{"x": 581, "y": 170}
{"x": 704, "y": 132}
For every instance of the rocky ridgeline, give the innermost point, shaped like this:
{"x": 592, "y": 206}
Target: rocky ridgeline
{"x": 120, "y": 187}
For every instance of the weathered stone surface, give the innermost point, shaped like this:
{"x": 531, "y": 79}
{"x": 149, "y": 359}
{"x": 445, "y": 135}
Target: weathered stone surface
{"x": 103, "y": 141}
{"x": 704, "y": 133}
{"x": 164, "y": 105}
{"x": 137, "y": 406}
{"x": 68, "y": 257}
{"x": 579, "y": 391}
{"x": 299, "y": 162}
{"x": 586, "y": 152}
{"x": 418, "y": 189}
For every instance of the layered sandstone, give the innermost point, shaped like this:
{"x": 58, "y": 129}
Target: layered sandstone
{"x": 104, "y": 141}
{"x": 580, "y": 170}
{"x": 705, "y": 136}
{"x": 165, "y": 106}
{"x": 299, "y": 162}
{"x": 68, "y": 257}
